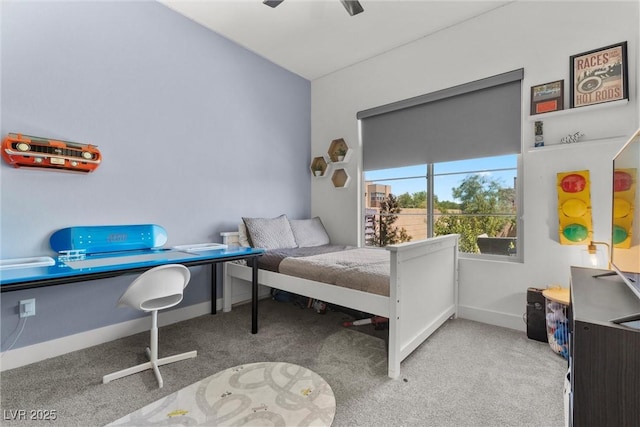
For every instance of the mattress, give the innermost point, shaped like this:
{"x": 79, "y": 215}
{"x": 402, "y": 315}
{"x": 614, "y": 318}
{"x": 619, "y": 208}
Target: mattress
{"x": 362, "y": 269}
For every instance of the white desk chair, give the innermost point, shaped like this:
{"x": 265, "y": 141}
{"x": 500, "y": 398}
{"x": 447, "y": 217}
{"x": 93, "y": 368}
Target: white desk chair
{"x": 156, "y": 289}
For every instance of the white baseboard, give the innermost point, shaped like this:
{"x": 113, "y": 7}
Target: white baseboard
{"x": 37, "y": 352}
{"x": 491, "y": 317}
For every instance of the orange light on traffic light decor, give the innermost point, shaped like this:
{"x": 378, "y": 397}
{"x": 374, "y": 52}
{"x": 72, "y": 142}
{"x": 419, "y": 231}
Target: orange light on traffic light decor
{"x": 624, "y": 192}
{"x": 574, "y": 208}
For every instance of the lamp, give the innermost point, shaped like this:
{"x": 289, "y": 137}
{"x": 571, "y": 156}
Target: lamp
{"x": 593, "y": 251}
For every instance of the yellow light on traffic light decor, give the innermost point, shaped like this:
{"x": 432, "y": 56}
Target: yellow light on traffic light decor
{"x": 624, "y": 192}
{"x": 574, "y": 208}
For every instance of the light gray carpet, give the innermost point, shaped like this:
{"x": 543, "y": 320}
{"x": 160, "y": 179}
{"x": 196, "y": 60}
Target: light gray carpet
{"x": 465, "y": 374}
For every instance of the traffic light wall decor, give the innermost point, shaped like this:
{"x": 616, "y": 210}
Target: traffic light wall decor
{"x": 574, "y": 208}
{"x": 624, "y": 193}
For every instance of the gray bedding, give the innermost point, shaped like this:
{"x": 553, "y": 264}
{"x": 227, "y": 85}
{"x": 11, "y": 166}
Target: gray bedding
{"x": 361, "y": 269}
{"x": 273, "y": 257}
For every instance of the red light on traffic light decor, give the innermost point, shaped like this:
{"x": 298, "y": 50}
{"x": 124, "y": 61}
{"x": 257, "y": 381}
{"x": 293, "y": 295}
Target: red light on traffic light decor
{"x": 574, "y": 208}
{"x": 624, "y": 192}
{"x": 573, "y": 182}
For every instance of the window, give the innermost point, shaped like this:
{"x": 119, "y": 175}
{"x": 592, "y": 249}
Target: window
{"x": 458, "y": 149}
{"x": 476, "y": 198}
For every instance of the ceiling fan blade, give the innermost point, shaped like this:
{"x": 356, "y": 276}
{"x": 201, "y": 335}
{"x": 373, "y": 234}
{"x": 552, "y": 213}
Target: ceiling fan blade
{"x": 272, "y": 3}
{"x": 353, "y": 6}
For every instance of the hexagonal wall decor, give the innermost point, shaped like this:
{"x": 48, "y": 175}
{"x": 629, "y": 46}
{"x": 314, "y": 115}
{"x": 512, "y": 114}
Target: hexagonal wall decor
{"x": 340, "y": 178}
{"x": 338, "y": 151}
{"x": 318, "y": 166}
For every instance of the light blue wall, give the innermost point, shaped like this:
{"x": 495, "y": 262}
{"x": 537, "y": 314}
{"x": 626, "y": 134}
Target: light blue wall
{"x": 195, "y": 132}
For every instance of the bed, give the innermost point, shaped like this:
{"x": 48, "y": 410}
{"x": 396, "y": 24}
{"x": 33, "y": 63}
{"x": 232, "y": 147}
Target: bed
{"x": 421, "y": 277}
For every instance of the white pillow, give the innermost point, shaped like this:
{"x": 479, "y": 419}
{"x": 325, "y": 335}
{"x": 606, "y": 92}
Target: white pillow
{"x": 309, "y": 232}
{"x": 270, "y": 233}
{"x": 243, "y": 239}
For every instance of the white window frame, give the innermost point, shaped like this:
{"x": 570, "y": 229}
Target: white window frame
{"x": 518, "y": 257}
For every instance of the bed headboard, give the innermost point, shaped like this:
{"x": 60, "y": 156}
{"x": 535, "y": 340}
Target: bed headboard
{"x": 231, "y": 238}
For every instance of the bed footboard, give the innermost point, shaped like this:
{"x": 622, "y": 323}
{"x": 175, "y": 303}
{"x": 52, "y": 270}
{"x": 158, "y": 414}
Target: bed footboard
{"x": 423, "y": 293}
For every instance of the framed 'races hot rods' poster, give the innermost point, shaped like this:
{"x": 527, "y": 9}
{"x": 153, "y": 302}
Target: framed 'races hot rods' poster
{"x": 599, "y": 75}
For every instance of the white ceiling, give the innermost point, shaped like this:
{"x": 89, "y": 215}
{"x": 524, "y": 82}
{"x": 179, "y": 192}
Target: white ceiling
{"x": 313, "y": 38}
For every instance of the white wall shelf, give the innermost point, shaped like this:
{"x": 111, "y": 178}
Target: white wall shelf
{"x": 575, "y": 144}
{"x": 340, "y": 178}
{"x": 612, "y": 104}
{"x": 338, "y": 147}
{"x": 319, "y": 164}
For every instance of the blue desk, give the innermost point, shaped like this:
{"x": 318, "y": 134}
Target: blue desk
{"x": 100, "y": 266}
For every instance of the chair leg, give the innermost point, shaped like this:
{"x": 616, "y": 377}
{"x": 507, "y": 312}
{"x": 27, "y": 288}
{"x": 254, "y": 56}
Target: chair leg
{"x": 156, "y": 371}
{"x": 126, "y": 372}
{"x": 177, "y": 357}
{"x": 152, "y": 354}
{"x": 152, "y": 350}
{"x": 153, "y": 343}
{"x": 153, "y": 364}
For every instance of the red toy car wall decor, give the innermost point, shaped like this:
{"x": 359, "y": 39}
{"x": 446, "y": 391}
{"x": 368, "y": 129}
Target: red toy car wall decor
{"x": 31, "y": 151}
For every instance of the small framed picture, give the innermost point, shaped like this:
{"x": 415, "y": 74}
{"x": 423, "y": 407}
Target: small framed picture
{"x": 599, "y": 75}
{"x": 547, "y": 97}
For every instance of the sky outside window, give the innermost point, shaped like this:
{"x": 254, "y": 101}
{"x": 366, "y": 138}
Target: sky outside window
{"x": 444, "y": 183}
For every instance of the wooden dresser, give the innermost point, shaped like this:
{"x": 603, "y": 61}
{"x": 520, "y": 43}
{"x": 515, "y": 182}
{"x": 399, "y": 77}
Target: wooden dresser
{"x": 604, "y": 360}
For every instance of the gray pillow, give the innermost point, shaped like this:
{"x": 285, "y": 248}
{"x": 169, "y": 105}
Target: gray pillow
{"x": 309, "y": 232}
{"x": 270, "y": 233}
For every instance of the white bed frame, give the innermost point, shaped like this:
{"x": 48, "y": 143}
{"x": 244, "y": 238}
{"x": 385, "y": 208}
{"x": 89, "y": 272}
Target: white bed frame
{"x": 423, "y": 291}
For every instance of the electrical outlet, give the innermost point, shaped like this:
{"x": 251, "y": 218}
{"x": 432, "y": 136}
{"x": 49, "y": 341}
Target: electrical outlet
{"x": 28, "y": 307}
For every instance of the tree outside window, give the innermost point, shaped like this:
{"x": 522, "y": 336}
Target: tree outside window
{"x": 381, "y": 230}
{"x": 486, "y": 209}
{"x": 478, "y": 201}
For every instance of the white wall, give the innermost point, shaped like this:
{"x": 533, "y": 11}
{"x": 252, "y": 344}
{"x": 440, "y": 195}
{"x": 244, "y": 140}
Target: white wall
{"x": 539, "y": 37}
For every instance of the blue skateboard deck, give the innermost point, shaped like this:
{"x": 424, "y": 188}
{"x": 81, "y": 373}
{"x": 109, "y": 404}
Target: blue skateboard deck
{"x": 108, "y": 238}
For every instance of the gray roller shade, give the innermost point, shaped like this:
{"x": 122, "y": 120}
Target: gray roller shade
{"x": 477, "y": 119}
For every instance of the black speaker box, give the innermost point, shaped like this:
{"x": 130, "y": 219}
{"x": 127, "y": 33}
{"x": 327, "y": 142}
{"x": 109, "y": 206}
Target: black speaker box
{"x": 536, "y": 318}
